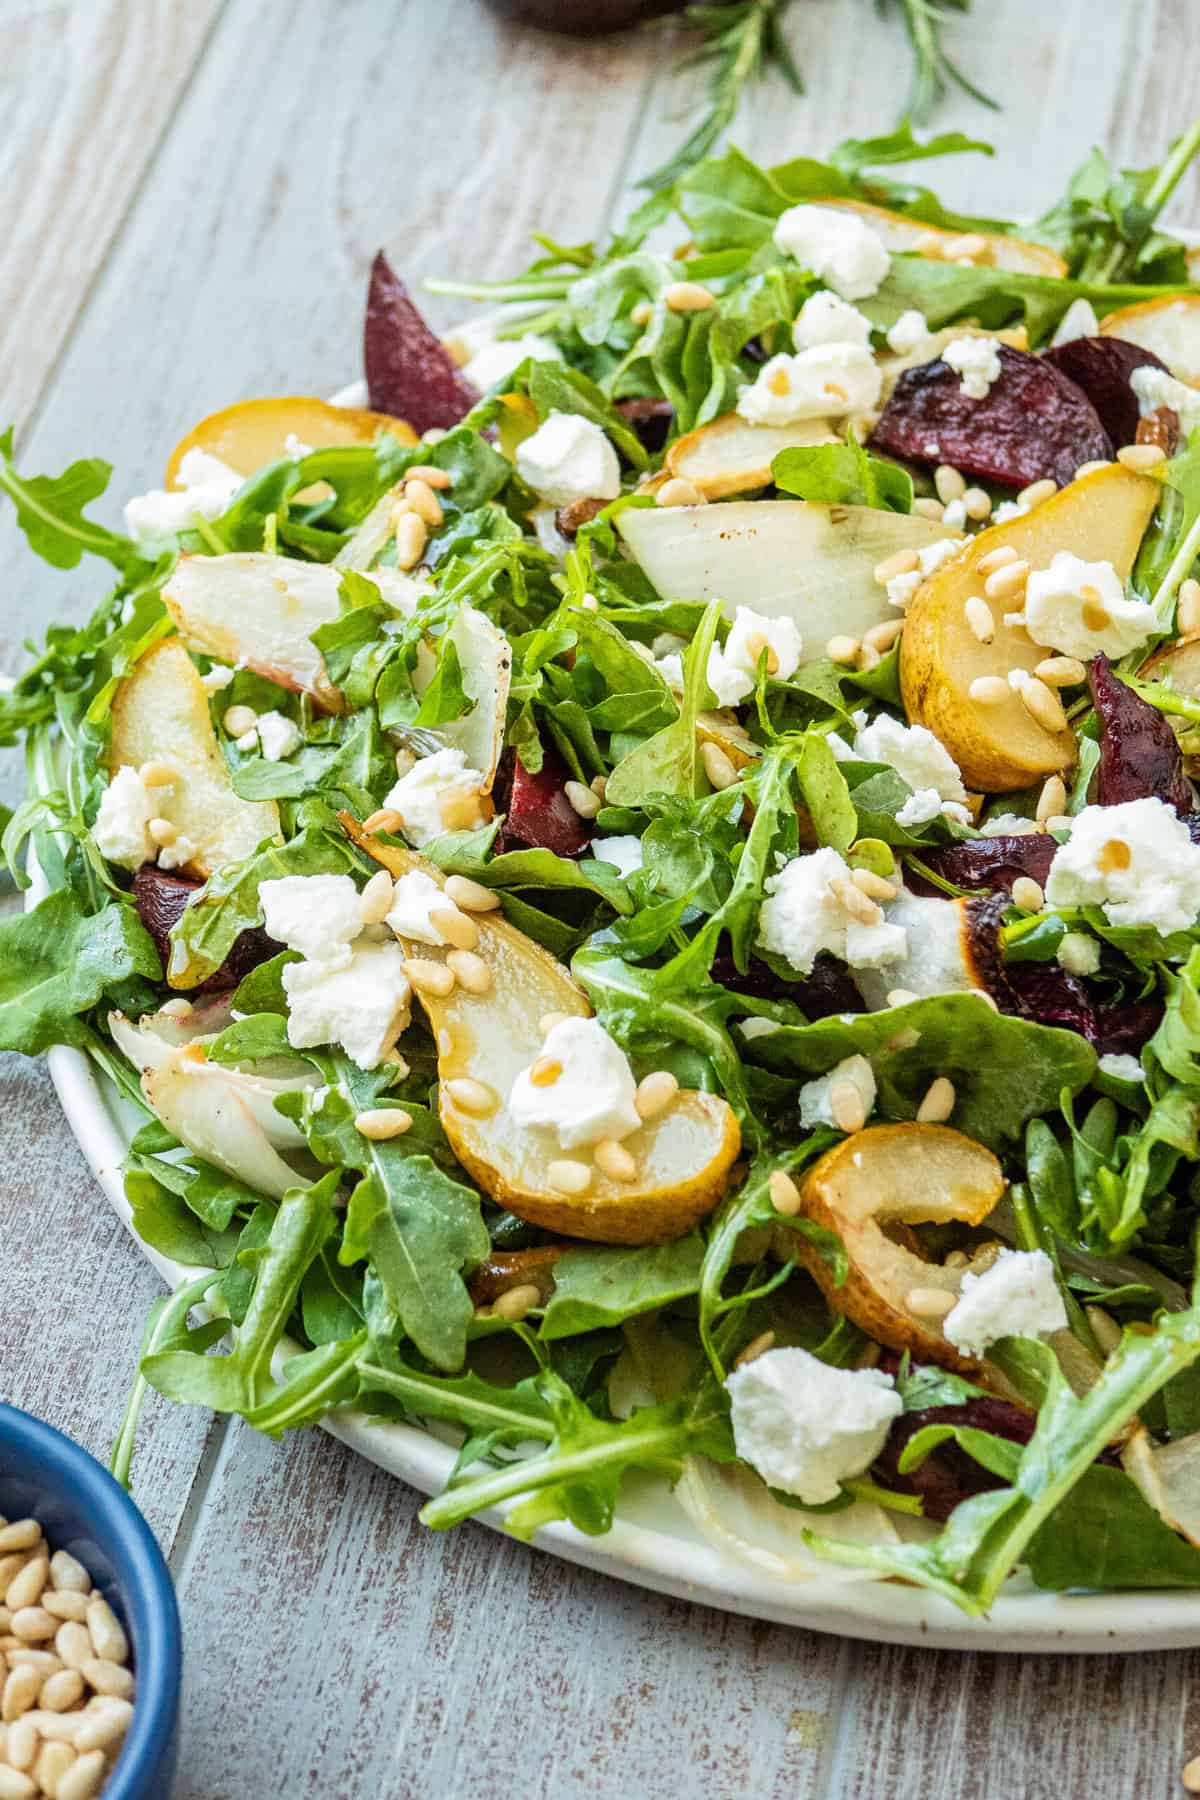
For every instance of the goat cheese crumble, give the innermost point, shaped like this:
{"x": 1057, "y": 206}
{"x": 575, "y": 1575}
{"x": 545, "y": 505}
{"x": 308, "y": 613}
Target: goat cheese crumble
{"x": 826, "y": 318}
{"x": 815, "y": 1107}
{"x": 204, "y": 486}
{"x": 1078, "y": 953}
{"x": 805, "y": 912}
{"x": 569, "y": 458}
{"x": 1136, "y": 861}
{"x": 121, "y": 833}
{"x": 277, "y": 736}
{"x": 836, "y": 245}
{"x": 493, "y": 363}
{"x": 414, "y": 898}
{"x": 731, "y": 666}
{"x": 361, "y": 1003}
{"x": 1079, "y": 608}
{"x": 438, "y": 794}
{"x": 1078, "y": 321}
{"x": 1155, "y": 388}
{"x": 936, "y": 957}
{"x": 589, "y": 1098}
{"x": 806, "y": 1426}
{"x": 318, "y": 915}
{"x": 923, "y": 763}
{"x": 976, "y": 360}
{"x": 624, "y": 853}
{"x": 909, "y": 332}
{"x": 1122, "y": 1068}
{"x": 829, "y": 381}
{"x": 1017, "y": 1297}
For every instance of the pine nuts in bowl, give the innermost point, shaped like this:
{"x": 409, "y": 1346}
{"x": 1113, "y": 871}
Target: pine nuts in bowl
{"x": 90, "y": 1654}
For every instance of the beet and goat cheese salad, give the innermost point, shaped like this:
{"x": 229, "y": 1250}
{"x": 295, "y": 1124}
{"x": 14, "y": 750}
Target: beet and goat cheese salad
{"x": 645, "y": 882}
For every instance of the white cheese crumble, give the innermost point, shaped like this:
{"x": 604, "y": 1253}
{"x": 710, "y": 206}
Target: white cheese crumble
{"x": 758, "y": 1028}
{"x": 920, "y": 760}
{"x": 218, "y": 678}
{"x": 592, "y": 1096}
{"x": 278, "y": 737}
{"x": 815, "y": 1108}
{"x": 1017, "y": 1297}
{"x": 1078, "y": 953}
{"x": 436, "y": 796}
{"x": 977, "y": 361}
{"x": 569, "y": 458}
{"x": 1122, "y": 1068}
{"x": 318, "y": 915}
{"x": 495, "y": 362}
{"x": 1009, "y": 825}
{"x": 361, "y": 1004}
{"x": 175, "y": 855}
{"x": 807, "y": 1427}
{"x": 121, "y": 833}
{"x": 803, "y": 915}
{"x": 1079, "y": 321}
{"x": 204, "y": 486}
{"x": 414, "y": 897}
{"x": 1155, "y": 388}
{"x": 731, "y": 667}
{"x": 936, "y": 958}
{"x": 826, "y": 318}
{"x": 625, "y": 853}
{"x": 836, "y": 245}
{"x": 829, "y": 381}
{"x": 1080, "y": 609}
{"x": 1136, "y": 861}
{"x": 901, "y": 588}
{"x": 909, "y": 332}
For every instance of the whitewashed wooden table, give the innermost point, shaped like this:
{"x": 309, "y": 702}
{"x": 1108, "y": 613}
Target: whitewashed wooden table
{"x": 190, "y": 194}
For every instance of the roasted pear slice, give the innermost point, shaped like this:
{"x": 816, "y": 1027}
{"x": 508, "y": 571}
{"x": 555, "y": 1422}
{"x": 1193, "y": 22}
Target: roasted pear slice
{"x": 1170, "y": 327}
{"x": 683, "y": 1156}
{"x": 1169, "y": 1478}
{"x": 160, "y": 714}
{"x": 1000, "y": 746}
{"x": 731, "y": 455}
{"x": 254, "y": 432}
{"x": 1179, "y": 664}
{"x": 899, "y": 233}
{"x": 896, "y": 1176}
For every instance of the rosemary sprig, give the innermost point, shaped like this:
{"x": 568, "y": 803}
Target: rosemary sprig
{"x": 933, "y": 71}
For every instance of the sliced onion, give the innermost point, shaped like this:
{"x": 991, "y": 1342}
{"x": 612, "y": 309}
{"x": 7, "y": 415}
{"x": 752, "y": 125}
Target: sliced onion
{"x": 735, "y": 1511}
{"x": 1168, "y": 1476}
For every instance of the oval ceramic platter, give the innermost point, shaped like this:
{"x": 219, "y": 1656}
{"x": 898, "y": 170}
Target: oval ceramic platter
{"x": 653, "y": 1542}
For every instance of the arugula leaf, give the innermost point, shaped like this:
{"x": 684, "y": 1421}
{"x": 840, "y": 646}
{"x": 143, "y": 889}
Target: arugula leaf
{"x": 50, "y": 511}
{"x": 667, "y": 762}
{"x": 1104, "y": 223}
{"x": 843, "y": 474}
{"x": 600, "y": 1285}
{"x": 1104, "y": 1535}
{"x": 58, "y": 961}
{"x": 553, "y": 387}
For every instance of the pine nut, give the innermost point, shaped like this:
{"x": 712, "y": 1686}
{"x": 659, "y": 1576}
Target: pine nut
{"x": 1042, "y": 704}
{"x": 11, "y": 1566}
{"x": 429, "y": 977}
{"x": 517, "y": 1301}
{"x": 1190, "y": 1775}
{"x": 688, "y": 296}
{"x": 977, "y": 504}
{"x": 847, "y": 1106}
{"x": 386, "y": 819}
{"x": 239, "y": 720}
{"x": 938, "y": 1103}
{"x": 545, "y": 1072}
{"x": 882, "y": 637}
{"x": 33, "y": 1625}
{"x": 967, "y": 248}
{"x": 566, "y": 1176}
{"x": 1052, "y": 801}
{"x": 679, "y": 491}
{"x": 655, "y": 1092}
{"x": 470, "y": 971}
{"x": 855, "y": 901}
{"x": 978, "y": 615}
{"x": 901, "y": 562}
{"x": 105, "y": 1723}
{"x": 930, "y": 1303}
{"x": 901, "y": 997}
{"x": 599, "y": 786}
{"x": 1004, "y": 582}
{"x": 1187, "y": 611}
{"x": 423, "y": 500}
{"x": 83, "y": 1778}
{"x": 21, "y": 1689}
{"x": 717, "y": 766}
{"x": 25, "y": 1589}
{"x": 15, "y": 1784}
{"x": 613, "y": 1159}
{"x": 111, "y": 1679}
{"x": 470, "y": 895}
{"x": 61, "y": 1691}
{"x": 412, "y": 535}
{"x": 929, "y": 509}
{"x": 74, "y": 1644}
{"x": 874, "y": 886}
{"x": 457, "y": 928}
{"x": 641, "y": 312}
{"x": 1141, "y": 457}
{"x": 69, "y": 1575}
{"x": 949, "y": 483}
{"x": 785, "y": 1195}
{"x": 157, "y": 774}
{"x": 107, "y": 1632}
{"x": 162, "y": 832}
{"x": 868, "y": 657}
{"x": 376, "y": 898}
{"x": 1089, "y": 468}
{"x": 1061, "y": 671}
{"x": 21, "y": 1744}
{"x": 22, "y": 1534}
{"x": 996, "y": 559}
{"x": 988, "y": 690}
{"x": 52, "y": 1764}
{"x": 931, "y": 244}
{"x": 23, "y": 1656}
{"x": 379, "y": 1123}
{"x": 472, "y": 1097}
{"x": 60, "y": 1728}
{"x": 841, "y": 649}
{"x": 582, "y": 799}
{"x": 755, "y": 1348}
{"x": 1027, "y": 894}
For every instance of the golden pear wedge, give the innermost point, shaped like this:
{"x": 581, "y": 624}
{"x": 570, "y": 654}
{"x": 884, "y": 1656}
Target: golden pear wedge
{"x": 731, "y": 456}
{"x": 684, "y": 1156}
{"x": 1000, "y": 747}
{"x": 898, "y": 233}
{"x": 254, "y": 432}
{"x": 1169, "y": 327}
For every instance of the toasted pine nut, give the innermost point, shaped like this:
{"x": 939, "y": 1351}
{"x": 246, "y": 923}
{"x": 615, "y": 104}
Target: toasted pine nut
{"x": 1089, "y": 468}
{"x": 472, "y": 1097}
{"x": 83, "y": 1778}
{"x": 978, "y": 615}
{"x": 457, "y": 928}
{"x": 1052, "y": 801}
{"x": 1141, "y": 457}
{"x": 470, "y": 971}
{"x": 582, "y": 799}
{"x": 430, "y": 474}
{"x": 376, "y": 898}
{"x": 515, "y": 1302}
{"x": 868, "y": 657}
{"x": 785, "y": 1195}
{"x": 109, "y": 1678}
{"x": 1037, "y": 491}
{"x": 15, "y": 1784}
{"x": 977, "y": 503}
{"x": 931, "y": 244}
{"x": 545, "y": 1072}
{"x": 614, "y": 1160}
{"x": 379, "y": 1123}
{"x": 755, "y": 1348}
{"x": 66, "y": 1572}
{"x": 841, "y": 649}
{"x": 1027, "y": 894}
{"x": 25, "y": 1589}
{"x": 967, "y": 248}
{"x": 949, "y": 483}
{"x": 386, "y": 819}
{"x": 157, "y": 774}
{"x": 239, "y": 720}
{"x": 52, "y": 1764}
{"x": 423, "y": 500}
{"x": 901, "y": 562}
{"x": 566, "y": 1176}
{"x": 938, "y": 1103}
{"x": 930, "y": 1303}
{"x": 65, "y": 1605}
{"x": 1061, "y": 671}
{"x": 989, "y": 690}
{"x": 655, "y": 1093}
{"x": 33, "y": 1625}
{"x": 599, "y": 786}
{"x": 22, "y": 1534}
{"x": 1042, "y": 704}
{"x": 470, "y": 895}
{"x": 21, "y": 1689}
{"x": 717, "y": 766}
{"x": 882, "y": 637}
{"x": 1187, "y": 611}
{"x": 688, "y": 296}
{"x": 21, "y": 1744}
{"x": 412, "y": 535}
{"x": 847, "y": 1106}
{"x": 61, "y": 1691}
{"x": 855, "y": 901}
{"x": 679, "y": 491}
{"x": 876, "y": 887}
{"x": 996, "y": 559}
{"x": 929, "y": 509}
{"x": 428, "y": 977}
{"x": 74, "y": 1644}
{"x": 1004, "y": 582}
{"x": 641, "y": 312}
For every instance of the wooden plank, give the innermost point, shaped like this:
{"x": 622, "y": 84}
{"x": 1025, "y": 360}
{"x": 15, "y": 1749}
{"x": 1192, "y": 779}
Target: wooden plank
{"x": 86, "y": 92}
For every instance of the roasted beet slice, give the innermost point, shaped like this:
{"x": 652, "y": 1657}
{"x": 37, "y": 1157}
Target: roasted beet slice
{"x": 828, "y": 990}
{"x": 1139, "y": 753}
{"x": 160, "y": 899}
{"x": 989, "y": 865}
{"x": 1102, "y": 366}
{"x": 1032, "y": 423}
{"x": 651, "y": 419}
{"x": 410, "y": 373}
{"x": 539, "y": 815}
{"x": 949, "y": 1476}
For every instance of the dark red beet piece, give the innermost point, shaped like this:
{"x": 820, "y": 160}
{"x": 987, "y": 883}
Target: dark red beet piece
{"x": 948, "y": 1476}
{"x": 539, "y": 815}
{"x": 828, "y": 990}
{"x": 987, "y": 864}
{"x": 1032, "y": 423}
{"x": 651, "y": 419}
{"x": 1139, "y": 753}
{"x": 1101, "y": 366}
{"x": 160, "y": 899}
{"x": 410, "y": 373}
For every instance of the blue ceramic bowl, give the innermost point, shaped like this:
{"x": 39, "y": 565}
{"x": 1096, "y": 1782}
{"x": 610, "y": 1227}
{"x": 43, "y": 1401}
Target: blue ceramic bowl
{"x": 82, "y": 1509}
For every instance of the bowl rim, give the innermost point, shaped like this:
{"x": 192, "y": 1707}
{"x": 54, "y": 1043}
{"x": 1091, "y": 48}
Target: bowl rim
{"x": 143, "y": 1580}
